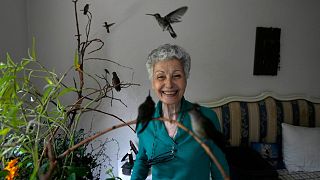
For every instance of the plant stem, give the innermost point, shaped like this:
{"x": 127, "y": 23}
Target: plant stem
{"x": 77, "y": 25}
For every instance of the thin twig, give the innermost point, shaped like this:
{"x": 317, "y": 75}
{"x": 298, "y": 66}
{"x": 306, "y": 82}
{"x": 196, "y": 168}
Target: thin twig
{"x": 97, "y": 49}
{"x": 104, "y": 59}
{"x": 112, "y": 116}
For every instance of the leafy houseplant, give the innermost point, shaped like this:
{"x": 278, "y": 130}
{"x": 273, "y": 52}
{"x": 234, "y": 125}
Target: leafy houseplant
{"x": 37, "y": 126}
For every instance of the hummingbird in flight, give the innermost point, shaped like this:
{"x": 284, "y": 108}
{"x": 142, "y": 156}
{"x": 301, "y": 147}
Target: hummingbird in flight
{"x": 173, "y": 17}
{"x": 204, "y": 128}
{"x": 116, "y": 81}
{"x": 145, "y": 113}
{"x": 106, "y": 25}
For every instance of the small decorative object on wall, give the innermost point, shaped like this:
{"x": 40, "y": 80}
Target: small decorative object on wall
{"x": 173, "y": 17}
{"x": 267, "y": 51}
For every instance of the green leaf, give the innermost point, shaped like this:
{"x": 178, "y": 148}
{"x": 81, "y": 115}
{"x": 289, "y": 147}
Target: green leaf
{"x": 67, "y": 90}
{"x": 79, "y": 171}
{"x": 3, "y": 173}
{"x": 72, "y": 176}
{"x": 9, "y": 60}
{"x": 48, "y": 81}
{"x": 48, "y": 91}
{"x": 4, "y": 131}
{"x": 24, "y": 62}
{"x": 17, "y": 122}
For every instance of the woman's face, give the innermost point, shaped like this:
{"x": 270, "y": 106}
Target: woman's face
{"x": 169, "y": 81}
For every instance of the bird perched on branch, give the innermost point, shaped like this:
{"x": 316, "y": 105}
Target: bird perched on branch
{"x": 204, "y": 128}
{"x": 106, "y": 25}
{"x": 145, "y": 113}
{"x": 116, "y": 81}
{"x": 85, "y": 9}
{"x": 173, "y": 17}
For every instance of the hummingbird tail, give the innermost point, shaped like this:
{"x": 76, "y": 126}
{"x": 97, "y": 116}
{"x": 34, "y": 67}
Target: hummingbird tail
{"x": 172, "y": 33}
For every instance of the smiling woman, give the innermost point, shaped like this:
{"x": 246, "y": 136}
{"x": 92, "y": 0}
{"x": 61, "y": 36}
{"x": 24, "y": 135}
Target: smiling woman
{"x": 169, "y": 81}
{"x": 171, "y": 152}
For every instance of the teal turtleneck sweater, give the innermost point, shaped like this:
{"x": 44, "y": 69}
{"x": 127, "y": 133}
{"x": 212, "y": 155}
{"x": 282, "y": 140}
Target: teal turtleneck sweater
{"x": 188, "y": 160}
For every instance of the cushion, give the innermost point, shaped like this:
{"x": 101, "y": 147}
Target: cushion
{"x": 266, "y": 150}
{"x": 245, "y": 163}
{"x": 269, "y": 152}
{"x": 301, "y": 147}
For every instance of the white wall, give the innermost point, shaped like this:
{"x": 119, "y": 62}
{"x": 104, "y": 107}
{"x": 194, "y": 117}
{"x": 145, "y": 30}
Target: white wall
{"x": 13, "y": 29}
{"x": 219, "y": 34}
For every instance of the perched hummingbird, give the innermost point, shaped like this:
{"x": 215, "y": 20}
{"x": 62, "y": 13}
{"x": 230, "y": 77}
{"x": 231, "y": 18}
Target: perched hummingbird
{"x": 204, "y": 128}
{"x": 145, "y": 113}
{"x": 86, "y": 9}
{"x": 173, "y": 17}
{"x": 116, "y": 81}
{"x": 106, "y": 25}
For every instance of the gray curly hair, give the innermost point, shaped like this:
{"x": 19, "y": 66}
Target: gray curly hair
{"x": 168, "y": 52}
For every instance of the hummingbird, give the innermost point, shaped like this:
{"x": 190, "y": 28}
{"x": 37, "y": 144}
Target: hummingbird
{"x": 204, "y": 128}
{"x": 85, "y": 9}
{"x": 106, "y": 25}
{"x": 173, "y": 17}
{"x": 116, "y": 81}
{"x": 145, "y": 113}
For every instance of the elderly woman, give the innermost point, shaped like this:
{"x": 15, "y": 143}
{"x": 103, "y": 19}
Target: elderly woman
{"x": 171, "y": 152}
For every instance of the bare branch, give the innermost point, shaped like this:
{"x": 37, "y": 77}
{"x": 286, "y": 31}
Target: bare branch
{"x": 77, "y": 25}
{"x": 96, "y": 40}
{"x": 112, "y": 116}
{"x": 104, "y": 59}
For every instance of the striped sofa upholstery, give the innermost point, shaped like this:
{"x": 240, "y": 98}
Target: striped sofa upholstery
{"x": 260, "y": 121}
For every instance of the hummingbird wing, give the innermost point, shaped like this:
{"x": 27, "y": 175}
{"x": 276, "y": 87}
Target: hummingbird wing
{"x": 176, "y": 15}
{"x": 111, "y": 24}
{"x": 108, "y": 25}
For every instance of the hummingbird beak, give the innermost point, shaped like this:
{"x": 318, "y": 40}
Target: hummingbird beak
{"x": 150, "y": 14}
